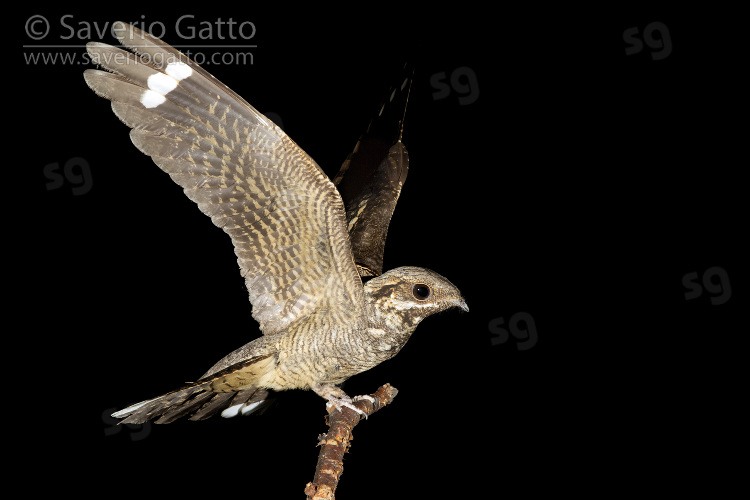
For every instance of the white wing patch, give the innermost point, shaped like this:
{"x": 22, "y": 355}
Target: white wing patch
{"x": 151, "y": 98}
{"x": 179, "y": 70}
{"x": 160, "y": 84}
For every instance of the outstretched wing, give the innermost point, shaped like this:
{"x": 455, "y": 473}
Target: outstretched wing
{"x": 284, "y": 216}
{"x": 371, "y": 178}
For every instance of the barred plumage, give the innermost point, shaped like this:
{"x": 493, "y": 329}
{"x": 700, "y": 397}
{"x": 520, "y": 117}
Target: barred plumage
{"x": 289, "y": 226}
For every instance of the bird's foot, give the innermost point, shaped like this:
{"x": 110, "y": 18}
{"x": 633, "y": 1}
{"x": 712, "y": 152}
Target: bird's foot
{"x": 365, "y": 398}
{"x": 337, "y": 398}
{"x": 347, "y": 402}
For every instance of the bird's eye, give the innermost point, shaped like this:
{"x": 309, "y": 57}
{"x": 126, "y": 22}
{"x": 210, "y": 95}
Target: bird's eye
{"x": 421, "y": 291}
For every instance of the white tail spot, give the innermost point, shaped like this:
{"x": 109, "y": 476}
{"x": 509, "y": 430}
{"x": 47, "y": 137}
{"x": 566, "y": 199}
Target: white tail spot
{"x": 243, "y": 408}
{"x": 232, "y": 411}
{"x": 249, "y": 408}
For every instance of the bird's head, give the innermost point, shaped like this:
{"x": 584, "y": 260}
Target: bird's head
{"x": 404, "y": 296}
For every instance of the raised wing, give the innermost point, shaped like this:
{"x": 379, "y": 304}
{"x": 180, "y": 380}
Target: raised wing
{"x": 284, "y": 216}
{"x": 371, "y": 178}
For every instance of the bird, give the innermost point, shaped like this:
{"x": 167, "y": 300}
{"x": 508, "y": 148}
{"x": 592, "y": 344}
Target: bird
{"x": 311, "y": 257}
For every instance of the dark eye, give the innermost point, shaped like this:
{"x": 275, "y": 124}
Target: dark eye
{"x": 421, "y": 291}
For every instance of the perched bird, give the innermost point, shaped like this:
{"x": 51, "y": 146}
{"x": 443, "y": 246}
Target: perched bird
{"x": 301, "y": 247}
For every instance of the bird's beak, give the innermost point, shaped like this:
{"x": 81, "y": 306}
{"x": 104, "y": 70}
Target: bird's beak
{"x": 462, "y": 304}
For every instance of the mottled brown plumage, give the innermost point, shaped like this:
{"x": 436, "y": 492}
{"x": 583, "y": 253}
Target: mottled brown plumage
{"x": 290, "y": 231}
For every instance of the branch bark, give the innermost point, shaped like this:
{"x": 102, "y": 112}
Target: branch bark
{"x": 336, "y": 442}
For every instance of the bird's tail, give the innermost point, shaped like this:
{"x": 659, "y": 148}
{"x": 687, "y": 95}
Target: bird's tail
{"x": 196, "y": 401}
{"x": 233, "y": 390}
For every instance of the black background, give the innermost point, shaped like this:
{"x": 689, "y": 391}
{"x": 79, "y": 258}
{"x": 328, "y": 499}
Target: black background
{"x": 582, "y": 186}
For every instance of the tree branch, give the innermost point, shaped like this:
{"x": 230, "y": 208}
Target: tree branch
{"x": 336, "y": 442}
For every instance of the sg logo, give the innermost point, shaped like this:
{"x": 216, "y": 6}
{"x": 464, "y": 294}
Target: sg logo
{"x": 463, "y": 81}
{"x": 656, "y": 36}
{"x": 521, "y": 326}
{"x": 720, "y": 289}
{"x": 76, "y": 172}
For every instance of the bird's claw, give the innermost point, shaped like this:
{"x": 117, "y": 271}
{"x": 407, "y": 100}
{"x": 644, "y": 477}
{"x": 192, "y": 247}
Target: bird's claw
{"x": 366, "y": 398}
{"x": 338, "y": 403}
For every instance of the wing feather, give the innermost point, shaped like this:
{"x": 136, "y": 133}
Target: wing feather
{"x": 285, "y": 218}
{"x": 371, "y": 178}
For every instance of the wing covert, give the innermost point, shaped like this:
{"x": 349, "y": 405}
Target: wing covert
{"x": 285, "y": 218}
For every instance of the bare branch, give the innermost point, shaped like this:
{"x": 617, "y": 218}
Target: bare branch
{"x": 336, "y": 441}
